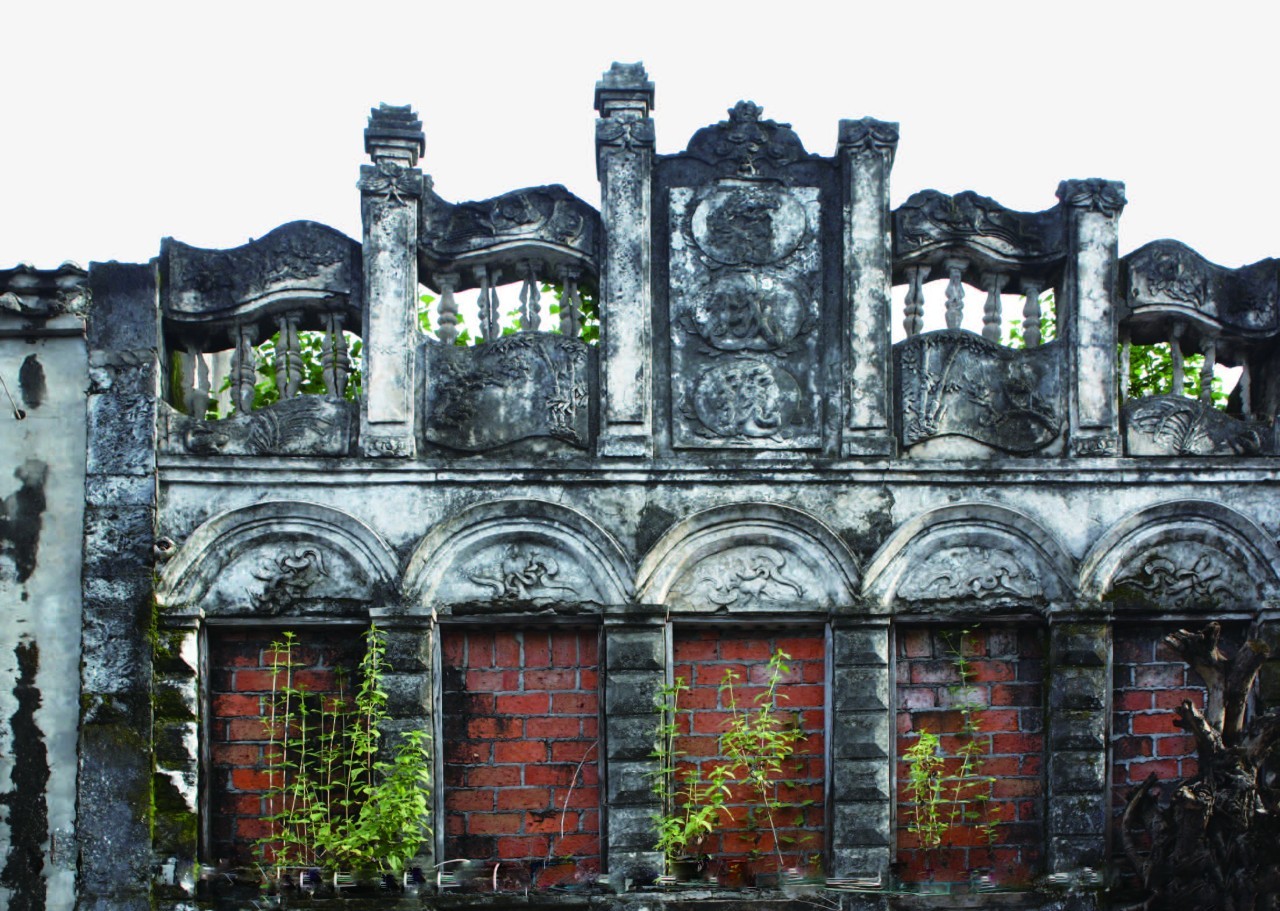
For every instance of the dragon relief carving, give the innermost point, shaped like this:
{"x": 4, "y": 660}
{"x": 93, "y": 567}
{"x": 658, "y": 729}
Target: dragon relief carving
{"x": 1167, "y": 272}
{"x": 968, "y": 571}
{"x": 929, "y": 218}
{"x": 1185, "y": 575}
{"x": 287, "y": 578}
{"x": 520, "y": 573}
{"x": 744, "y": 578}
{"x": 303, "y": 425}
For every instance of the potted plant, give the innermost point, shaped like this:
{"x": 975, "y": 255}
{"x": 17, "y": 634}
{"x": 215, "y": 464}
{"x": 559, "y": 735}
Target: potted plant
{"x": 341, "y": 800}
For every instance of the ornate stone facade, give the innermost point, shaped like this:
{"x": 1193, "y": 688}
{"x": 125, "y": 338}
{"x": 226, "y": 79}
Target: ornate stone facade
{"x": 714, "y": 426}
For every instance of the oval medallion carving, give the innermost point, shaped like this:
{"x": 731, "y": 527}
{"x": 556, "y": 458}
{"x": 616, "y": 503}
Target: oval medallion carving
{"x": 746, "y": 311}
{"x": 748, "y": 225}
{"x": 745, "y": 398}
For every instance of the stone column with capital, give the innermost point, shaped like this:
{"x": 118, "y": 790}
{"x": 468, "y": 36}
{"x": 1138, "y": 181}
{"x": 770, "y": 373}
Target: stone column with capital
{"x": 624, "y": 165}
{"x": 866, "y": 153}
{"x": 1087, "y": 311}
{"x": 390, "y": 190}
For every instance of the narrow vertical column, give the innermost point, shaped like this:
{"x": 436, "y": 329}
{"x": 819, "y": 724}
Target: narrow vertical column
{"x": 635, "y": 667}
{"x": 390, "y": 189}
{"x": 866, "y": 151}
{"x": 1079, "y": 716}
{"x": 1089, "y": 291}
{"x": 1031, "y": 312}
{"x": 410, "y": 702}
{"x": 624, "y": 165}
{"x": 177, "y": 773}
{"x": 115, "y": 781}
{"x": 861, "y": 749}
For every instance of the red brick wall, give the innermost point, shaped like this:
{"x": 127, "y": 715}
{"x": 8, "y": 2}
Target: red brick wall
{"x": 1007, "y": 665}
{"x": 520, "y": 716}
{"x": 240, "y": 695}
{"x": 702, "y": 657}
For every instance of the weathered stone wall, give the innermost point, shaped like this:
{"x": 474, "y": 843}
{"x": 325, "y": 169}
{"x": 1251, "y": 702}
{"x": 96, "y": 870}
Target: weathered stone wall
{"x": 42, "y": 462}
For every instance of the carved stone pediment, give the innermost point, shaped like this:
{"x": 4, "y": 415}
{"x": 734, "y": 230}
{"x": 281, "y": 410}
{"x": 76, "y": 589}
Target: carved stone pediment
{"x": 955, "y": 382}
{"x": 546, "y": 224}
{"x": 1184, "y": 575}
{"x": 745, "y": 297}
{"x": 1173, "y": 425}
{"x": 520, "y": 386}
{"x": 308, "y": 425}
{"x": 970, "y": 571}
{"x": 747, "y": 145}
{"x": 301, "y": 265}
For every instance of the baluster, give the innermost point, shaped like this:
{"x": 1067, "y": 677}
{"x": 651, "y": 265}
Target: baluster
{"x": 447, "y": 308}
{"x": 1206, "y": 372}
{"x": 955, "y": 291}
{"x": 1124, "y": 363}
{"x": 1031, "y": 312}
{"x": 288, "y": 357}
{"x": 333, "y": 357}
{"x": 1245, "y": 386}
{"x": 198, "y": 392}
{"x": 913, "y": 305}
{"x": 530, "y": 299}
{"x": 488, "y": 304}
{"x": 570, "y": 303}
{"x": 1175, "y": 349}
{"x": 992, "y": 315}
{"x": 244, "y": 371}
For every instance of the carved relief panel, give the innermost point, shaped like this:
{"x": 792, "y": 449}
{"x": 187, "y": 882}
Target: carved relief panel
{"x": 744, "y": 290}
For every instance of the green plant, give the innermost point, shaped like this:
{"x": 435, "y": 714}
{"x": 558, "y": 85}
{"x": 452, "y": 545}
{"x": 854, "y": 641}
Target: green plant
{"x": 759, "y": 742}
{"x": 925, "y": 767}
{"x": 339, "y": 799}
{"x": 691, "y": 808}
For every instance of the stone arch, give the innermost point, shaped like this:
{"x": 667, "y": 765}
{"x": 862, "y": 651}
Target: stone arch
{"x": 280, "y": 557}
{"x": 517, "y": 552}
{"x": 1184, "y": 555}
{"x": 966, "y": 555}
{"x": 749, "y": 556}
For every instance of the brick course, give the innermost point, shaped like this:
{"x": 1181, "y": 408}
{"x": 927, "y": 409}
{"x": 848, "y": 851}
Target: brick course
{"x": 1006, "y": 682}
{"x": 702, "y": 657}
{"x": 521, "y": 751}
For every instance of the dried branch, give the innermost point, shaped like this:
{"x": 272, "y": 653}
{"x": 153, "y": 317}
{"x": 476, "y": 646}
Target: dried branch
{"x": 1241, "y": 674}
{"x": 1208, "y": 741}
{"x": 1201, "y": 651}
{"x": 1141, "y": 803}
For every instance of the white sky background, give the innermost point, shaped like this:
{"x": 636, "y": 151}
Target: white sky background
{"x": 213, "y": 123}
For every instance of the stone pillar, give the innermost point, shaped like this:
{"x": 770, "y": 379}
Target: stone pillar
{"x": 1088, "y": 312}
{"x": 390, "y": 190}
{"x": 1078, "y": 682}
{"x": 866, "y": 152}
{"x": 624, "y": 165}
{"x": 635, "y": 651}
{"x": 117, "y": 624}
{"x": 410, "y": 702}
{"x": 176, "y": 785}
{"x": 861, "y": 751}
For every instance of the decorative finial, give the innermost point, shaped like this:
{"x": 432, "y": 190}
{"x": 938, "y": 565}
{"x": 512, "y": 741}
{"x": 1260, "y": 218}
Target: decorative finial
{"x": 624, "y": 85}
{"x": 394, "y": 134}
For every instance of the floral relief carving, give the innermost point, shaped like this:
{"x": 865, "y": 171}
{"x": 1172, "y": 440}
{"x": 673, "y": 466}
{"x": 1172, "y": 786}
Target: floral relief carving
{"x": 520, "y": 573}
{"x": 968, "y": 572}
{"x": 288, "y": 577}
{"x": 745, "y": 577}
{"x": 1184, "y": 575}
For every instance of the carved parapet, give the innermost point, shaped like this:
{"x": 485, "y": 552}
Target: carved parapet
{"x": 748, "y": 146}
{"x": 931, "y": 227}
{"x": 1231, "y": 311}
{"x": 1172, "y": 425}
{"x": 302, "y": 266}
{"x": 27, "y": 292}
{"x": 547, "y": 227}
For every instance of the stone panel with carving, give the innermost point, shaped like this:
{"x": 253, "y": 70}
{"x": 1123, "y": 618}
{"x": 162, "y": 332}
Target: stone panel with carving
{"x": 745, "y": 297}
{"x": 1173, "y": 425}
{"x": 748, "y": 145}
{"x": 519, "y": 386}
{"x": 969, "y": 571}
{"x": 955, "y": 382}
{"x": 1184, "y": 575}
{"x": 309, "y": 425}
{"x": 289, "y": 577}
{"x": 746, "y": 577}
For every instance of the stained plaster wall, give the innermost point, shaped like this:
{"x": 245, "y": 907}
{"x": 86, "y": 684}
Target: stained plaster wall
{"x": 42, "y": 468}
